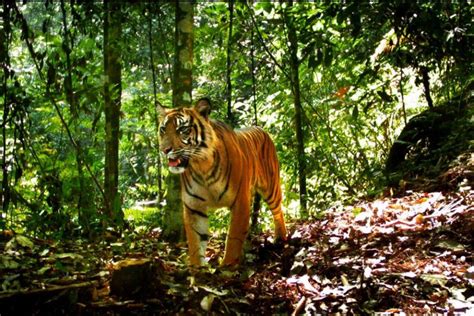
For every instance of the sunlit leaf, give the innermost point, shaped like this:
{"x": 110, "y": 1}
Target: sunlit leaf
{"x": 206, "y": 302}
{"x": 19, "y": 240}
{"x": 70, "y": 255}
{"x": 213, "y": 290}
{"x": 43, "y": 270}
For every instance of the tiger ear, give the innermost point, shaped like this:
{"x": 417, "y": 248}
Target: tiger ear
{"x": 203, "y": 106}
{"x": 161, "y": 110}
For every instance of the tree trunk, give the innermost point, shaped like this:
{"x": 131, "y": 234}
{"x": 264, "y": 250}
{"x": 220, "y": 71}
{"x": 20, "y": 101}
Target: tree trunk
{"x": 5, "y": 62}
{"x": 112, "y": 103}
{"x": 68, "y": 78}
{"x": 254, "y": 80}
{"x": 182, "y": 89}
{"x": 295, "y": 88}
{"x": 426, "y": 86}
{"x": 82, "y": 200}
{"x": 155, "y": 105}
{"x": 230, "y": 118}
{"x": 183, "y": 59}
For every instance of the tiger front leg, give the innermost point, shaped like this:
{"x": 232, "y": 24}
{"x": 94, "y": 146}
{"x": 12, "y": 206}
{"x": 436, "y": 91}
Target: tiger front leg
{"x": 239, "y": 225}
{"x": 196, "y": 225}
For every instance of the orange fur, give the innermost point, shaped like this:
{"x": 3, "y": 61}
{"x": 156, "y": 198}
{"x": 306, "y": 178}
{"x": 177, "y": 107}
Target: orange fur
{"x": 220, "y": 167}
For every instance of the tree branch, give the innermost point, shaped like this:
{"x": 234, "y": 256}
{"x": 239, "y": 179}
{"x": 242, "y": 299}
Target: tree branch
{"x": 269, "y": 53}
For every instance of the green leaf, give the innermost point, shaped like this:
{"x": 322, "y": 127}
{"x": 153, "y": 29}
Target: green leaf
{"x": 19, "y": 240}
{"x": 69, "y": 255}
{"x": 7, "y": 262}
{"x": 206, "y": 302}
{"x": 213, "y": 290}
{"x": 44, "y": 252}
{"x": 43, "y": 270}
{"x": 24, "y": 241}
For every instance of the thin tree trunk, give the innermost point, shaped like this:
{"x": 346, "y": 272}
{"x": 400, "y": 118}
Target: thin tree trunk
{"x": 155, "y": 98}
{"x": 230, "y": 117}
{"x": 295, "y": 88}
{"x": 403, "y": 97}
{"x": 164, "y": 52}
{"x": 68, "y": 79}
{"x": 254, "y": 81}
{"x": 68, "y": 87}
{"x": 182, "y": 89}
{"x": 426, "y": 85}
{"x": 5, "y": 61}
{"x": 257, "y": 198}
{"x": 112, "y": 104}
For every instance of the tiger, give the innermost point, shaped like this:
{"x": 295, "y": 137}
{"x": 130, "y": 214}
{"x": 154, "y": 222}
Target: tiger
{"x": 219, "y": 167}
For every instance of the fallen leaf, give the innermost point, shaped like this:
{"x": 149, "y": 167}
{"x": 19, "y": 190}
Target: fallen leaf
{"x": 450, "y": 245}
{"x": 206, "y": 302}
{"x": 435, "y": 279}
{"x": 410, "y": 274}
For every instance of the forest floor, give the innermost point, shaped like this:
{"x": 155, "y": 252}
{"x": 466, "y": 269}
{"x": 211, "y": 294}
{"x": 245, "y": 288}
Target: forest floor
{"x": 410, "y": 254}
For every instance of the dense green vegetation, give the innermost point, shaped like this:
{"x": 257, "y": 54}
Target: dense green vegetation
{"x": 333, "y": 82}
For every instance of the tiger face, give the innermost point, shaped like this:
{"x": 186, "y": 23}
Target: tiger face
{"x": 184, "y": 136}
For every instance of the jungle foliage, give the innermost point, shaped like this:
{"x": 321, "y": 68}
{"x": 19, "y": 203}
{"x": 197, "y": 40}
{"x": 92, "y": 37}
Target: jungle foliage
{"x": 333, "y": 82}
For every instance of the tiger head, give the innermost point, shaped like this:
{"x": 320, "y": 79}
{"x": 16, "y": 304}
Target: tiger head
{"x": 185, "y": 134}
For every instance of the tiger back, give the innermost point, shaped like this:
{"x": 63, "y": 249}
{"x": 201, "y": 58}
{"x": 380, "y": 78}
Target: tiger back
{"x": 220, "y": 167}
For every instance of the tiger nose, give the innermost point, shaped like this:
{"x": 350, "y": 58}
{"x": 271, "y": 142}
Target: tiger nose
{"x": 167, "y": 150}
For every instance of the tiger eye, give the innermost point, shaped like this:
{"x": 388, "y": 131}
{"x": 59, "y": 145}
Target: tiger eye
{"x": 162, "y": 129}
{"x": 184, "y": 130}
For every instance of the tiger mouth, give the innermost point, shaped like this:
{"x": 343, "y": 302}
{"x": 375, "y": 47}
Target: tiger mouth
{"x": 178, "y": 162}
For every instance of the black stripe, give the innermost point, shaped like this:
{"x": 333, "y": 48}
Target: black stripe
{"x": 266, "y": 157}
{"x": 196, "y": 212}
{"x": 219, "y": 174}
{"x": 188, "y": 191}
{"x": 203, "y": 133}
{"x": 215, "y": 166}
{"x": 196, "y": 176}
{"x": 275, "y": 204}
{"x": 237, "y": 194}
{"x": 225, "y": 189}
{"x": 272, "y": 196}
{"x": 217, "y": 178}
{"x": 227, "y": 174}
{"x": 264, "y": 147}
{"x": 195, "y": 134}
{"x": 229, "y": 168}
